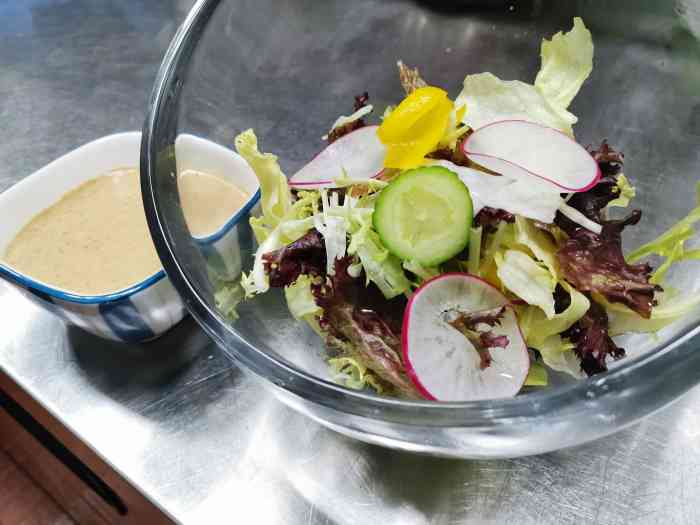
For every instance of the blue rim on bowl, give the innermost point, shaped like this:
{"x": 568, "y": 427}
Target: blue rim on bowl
{"x": 28, "y": 282}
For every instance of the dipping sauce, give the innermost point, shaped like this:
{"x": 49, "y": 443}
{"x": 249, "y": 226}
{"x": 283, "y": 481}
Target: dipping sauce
{"x": 95, "y": 239}
{"x": 208, "y": 201}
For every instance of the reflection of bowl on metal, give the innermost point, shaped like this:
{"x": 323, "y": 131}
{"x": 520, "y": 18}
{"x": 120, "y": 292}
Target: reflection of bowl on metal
{"x": 289, "y": 69}
{"x": 141, "y": 311}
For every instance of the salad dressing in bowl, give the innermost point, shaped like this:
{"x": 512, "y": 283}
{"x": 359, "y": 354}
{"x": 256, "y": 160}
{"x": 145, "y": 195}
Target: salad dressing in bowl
{"x": 208, "y": 201}
{"x": 95, "y": 239}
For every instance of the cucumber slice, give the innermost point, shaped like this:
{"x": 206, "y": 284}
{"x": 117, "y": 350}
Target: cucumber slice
{"x": 424, "y": 215}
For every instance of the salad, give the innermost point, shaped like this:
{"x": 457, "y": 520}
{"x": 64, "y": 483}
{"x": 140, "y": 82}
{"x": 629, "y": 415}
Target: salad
{"x": 460, "y": 249}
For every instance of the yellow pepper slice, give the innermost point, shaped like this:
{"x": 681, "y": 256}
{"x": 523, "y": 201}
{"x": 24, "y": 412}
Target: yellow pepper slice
{"x": 415, "y": 127}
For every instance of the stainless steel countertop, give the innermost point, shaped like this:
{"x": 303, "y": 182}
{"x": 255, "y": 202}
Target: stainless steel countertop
{"x": 207, "y": 442}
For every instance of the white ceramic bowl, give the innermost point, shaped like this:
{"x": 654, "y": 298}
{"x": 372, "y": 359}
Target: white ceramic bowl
{"x": 148, "y": 308}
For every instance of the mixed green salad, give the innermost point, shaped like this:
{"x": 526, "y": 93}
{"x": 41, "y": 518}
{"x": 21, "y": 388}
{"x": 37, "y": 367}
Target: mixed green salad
{"x": 461, "y": 248}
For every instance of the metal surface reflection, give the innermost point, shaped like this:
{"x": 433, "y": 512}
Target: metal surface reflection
{"x": 209, "y": 443}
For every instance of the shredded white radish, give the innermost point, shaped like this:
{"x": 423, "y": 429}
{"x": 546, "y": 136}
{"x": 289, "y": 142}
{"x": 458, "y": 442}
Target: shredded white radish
{"x": 334, "y": 229}
{"x": 343, "y": 120}
{"x": 579, "y": 218}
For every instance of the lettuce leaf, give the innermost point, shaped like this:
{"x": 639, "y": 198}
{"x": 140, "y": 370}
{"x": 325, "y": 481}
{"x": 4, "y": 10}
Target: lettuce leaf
{"x": 537, "y": 327}
{"x": 334, "y": 229}
{"x": 359, "y": 322}
{"x": 558, "y": 354}
{"x": 306, "y": 255}
{"x": 283, "y": 219}
{"x": 671, "y": 244}
{"x": 595, "y": 264}
{"x": 276, "y": 199}
{"x": 227, "y": 298}
{"x": 537, "y": 375}
{"x": 538, "y": 242}
{"x": 382, "y": 268}
{"x": 490, "y": 99}
{"x": 625, "y": 191}
{"x": 669, "y": 310}
{"x": 544, "y": 335}
{"x": 567, "y": 60}
{"x": 489, "y": 218}
{"x": 527, "y": 279}
{"x": 373, "y": 184}
{"x": 476, "y": 328}
{"x": 474, "y": 261}
{"x": 592, "y": 342}
{"x": 349, "y": 372}
{"x": 422, "y": 272}
{"x": 300, "y": 299}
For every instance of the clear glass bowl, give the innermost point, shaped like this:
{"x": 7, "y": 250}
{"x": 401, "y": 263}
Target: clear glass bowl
{"x": 289, "y": 68}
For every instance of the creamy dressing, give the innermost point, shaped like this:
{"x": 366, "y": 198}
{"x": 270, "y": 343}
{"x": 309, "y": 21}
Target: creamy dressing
{"x": 95, "y": 239}
{"x": 208, "y": 201}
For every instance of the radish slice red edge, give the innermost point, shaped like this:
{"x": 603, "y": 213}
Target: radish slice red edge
{"x": 441, "y": 362}
{"x": 360, "y": 153}
{"x": 518, "y": 148}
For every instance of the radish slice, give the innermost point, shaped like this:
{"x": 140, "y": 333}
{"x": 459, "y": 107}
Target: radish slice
{"x": 518, "y": 148}
{"x": 360, "y": 153}
{"x": 442, "y": 362}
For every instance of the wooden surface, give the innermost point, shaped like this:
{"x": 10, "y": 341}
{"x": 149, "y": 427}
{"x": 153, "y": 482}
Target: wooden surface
{"x": 67, "y": 490}
{"x": 59, "y": 485}
{"x": 23, "y": 502}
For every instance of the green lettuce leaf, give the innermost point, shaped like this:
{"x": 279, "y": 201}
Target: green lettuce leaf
{"x": 567, "y": 60}
{"x": 345, "y": 181}
{"x": 499, "y": 241}
{"x": 300, "y": 299}
{"x": 537, "y": 375}
{"x": 670, "y": 309}
{"x": 538, "y": 242}
{"x": 351, "y": 373}
{"x": 489, "y": 99}
{"x": 625, "y": 191}
{"x": 558, "y": 354}
{"x": 422, "y": 272}
{"x": 276, "y": 199}
{"x": 257, "y": 281}
{"x": 283, "y": 221}
{"x": 382, "y": 268}
{"x": 537, "y": 327}
{"x": 670, "y": 245}
{"x": 474, "y": 260}
{"x": 527, "y": 279}
{"x": 227, "y": 298}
